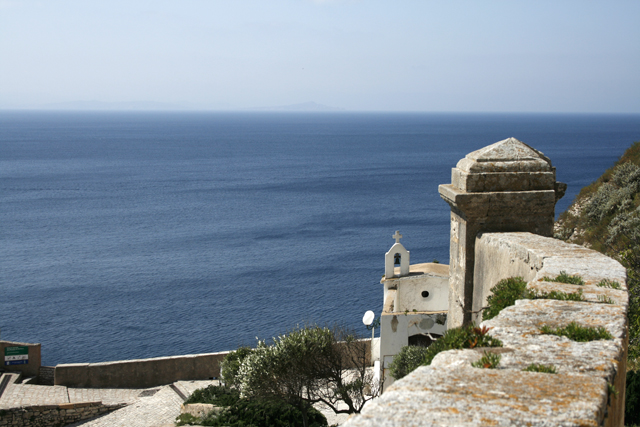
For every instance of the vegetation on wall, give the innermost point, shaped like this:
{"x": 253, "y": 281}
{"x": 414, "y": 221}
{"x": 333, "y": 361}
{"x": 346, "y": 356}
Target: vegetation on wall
{"x": 605, "y": 216}
{"x": 507, "y": 291}
{"x": 545, "y": 369}
{"x": 576, "y": 332}
{"x": 503, "y": 295}
{"x": 487, "y": 361}
{"x": 564, "y": 277}
{"x": 411, "y": 357}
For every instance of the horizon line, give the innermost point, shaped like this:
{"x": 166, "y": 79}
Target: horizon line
{"x": 276, "y": 111}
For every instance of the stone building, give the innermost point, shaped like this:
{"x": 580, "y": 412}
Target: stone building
{"x": 416, "y": 300}
{"x": 502, "y": 200}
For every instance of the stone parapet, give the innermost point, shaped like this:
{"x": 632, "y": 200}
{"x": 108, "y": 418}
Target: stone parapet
{"x": 53, "y": 415}
{"x": 140, "y": 373}
{"x": 589, "y": 387}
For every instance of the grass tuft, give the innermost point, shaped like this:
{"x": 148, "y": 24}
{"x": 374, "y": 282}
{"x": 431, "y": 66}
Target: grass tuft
{"x": 507, "y": 291}
{"x": 555, "y": 295}
{"x": 606, "y": 283}
{"x": 578, "y": 333}
{"x": 487, "y": 361}
{"x": 563, "y": 277}
{"x": 605, "y": 299}
{"x": 545, "y": 369}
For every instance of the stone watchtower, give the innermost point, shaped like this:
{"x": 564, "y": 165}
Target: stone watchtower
{"x": 506, "y": 186}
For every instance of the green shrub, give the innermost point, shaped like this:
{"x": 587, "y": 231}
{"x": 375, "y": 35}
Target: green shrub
{"x": 263, "y": 413}
{"x": 546, "y": 369}
{"x": 507, "y": 291}
{"x": 241, "y": 412}
{"x": 231, "y": 365}
{"x": 216, "y": 395}
{"x": 487, "y": 361}
{"x": 563, "y": 277}
{"x": 409, "y": 359}
{"x": 555, "y": 295}
{"x": 454, "y": 339}
{"x": 632, "y": 398}
{"x": 187, "y": 420}
{"x": 606, "y": 283}
{"x": 458, "y": 338}
{"x": 504, "y": 294}
{"x": 578, "y": 333}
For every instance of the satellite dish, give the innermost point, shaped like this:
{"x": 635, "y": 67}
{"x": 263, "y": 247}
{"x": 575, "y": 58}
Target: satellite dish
{"x": 368, "y": 317}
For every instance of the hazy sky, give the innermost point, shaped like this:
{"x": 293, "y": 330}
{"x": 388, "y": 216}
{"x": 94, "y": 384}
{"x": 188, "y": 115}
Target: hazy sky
{"x": 514, "y": 56}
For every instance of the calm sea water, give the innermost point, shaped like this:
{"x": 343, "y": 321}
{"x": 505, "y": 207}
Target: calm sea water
{"x": 131, "y": 235}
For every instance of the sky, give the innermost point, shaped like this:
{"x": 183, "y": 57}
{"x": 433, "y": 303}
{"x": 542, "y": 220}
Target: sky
{"x": 359, "y": 55}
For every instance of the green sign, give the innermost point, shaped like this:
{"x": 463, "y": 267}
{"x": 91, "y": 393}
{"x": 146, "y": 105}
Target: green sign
{"x": 18, "y": 355}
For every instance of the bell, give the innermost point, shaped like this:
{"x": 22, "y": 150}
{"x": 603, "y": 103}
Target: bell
{"x": 396, "y": 259}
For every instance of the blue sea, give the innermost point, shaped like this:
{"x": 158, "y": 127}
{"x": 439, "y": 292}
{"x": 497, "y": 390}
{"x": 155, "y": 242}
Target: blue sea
{"x": 134, "y": 235}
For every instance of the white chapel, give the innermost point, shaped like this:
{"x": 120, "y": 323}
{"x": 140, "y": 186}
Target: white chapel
{"x": 416, "y": 301}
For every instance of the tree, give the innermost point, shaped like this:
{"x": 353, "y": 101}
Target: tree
{"x": 307, "y": 366}
{"x": 343, "y": 375}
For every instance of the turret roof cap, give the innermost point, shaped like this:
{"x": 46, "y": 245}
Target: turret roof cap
{"x": 508, "y": 155}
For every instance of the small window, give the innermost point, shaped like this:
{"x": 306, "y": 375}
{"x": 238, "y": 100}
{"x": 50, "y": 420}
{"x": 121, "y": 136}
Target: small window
{"x": 425, "y": 294}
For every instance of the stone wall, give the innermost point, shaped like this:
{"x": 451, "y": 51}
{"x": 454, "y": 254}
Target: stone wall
{"x": 46, "y": 375}
{"x": 588, "y": 389}
{"x": 53, "y": 415}
{"x": 145, "y": 373}
{"x": 140, "y": 373}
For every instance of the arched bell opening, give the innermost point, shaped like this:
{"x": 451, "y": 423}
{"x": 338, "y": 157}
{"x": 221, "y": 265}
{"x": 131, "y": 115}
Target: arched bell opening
{"x": 397, "y": 259}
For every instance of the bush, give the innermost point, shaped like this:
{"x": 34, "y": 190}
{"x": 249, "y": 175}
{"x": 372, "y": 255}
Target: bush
{"x": 605, "y": 216}
{"x": 507, "y": 291}
{"x": 309, "y": 365}
{"x": 632, "y": 398}
{"x": 187, "y": 420}
{"x": 241, "y": 412}
{"x": 231, "y": 364}
{"x": 409, "y": 359}
{"x": 504, "y": 294}
{"x": 216, "y": 395}
{"x": 454, "y": 339}
{"x": 264, "y": 413}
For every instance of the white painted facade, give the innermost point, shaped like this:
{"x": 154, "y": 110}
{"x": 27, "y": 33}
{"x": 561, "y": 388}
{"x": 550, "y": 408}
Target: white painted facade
{"x": 397, "y": 252}
{"x": 415, "y": 305}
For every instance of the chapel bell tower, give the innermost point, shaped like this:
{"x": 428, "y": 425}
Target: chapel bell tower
{"x": 397, "y": 256}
